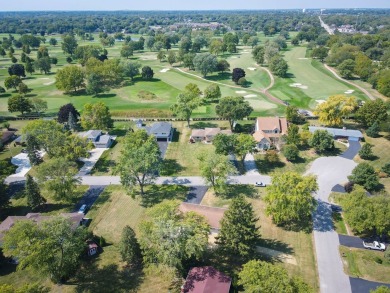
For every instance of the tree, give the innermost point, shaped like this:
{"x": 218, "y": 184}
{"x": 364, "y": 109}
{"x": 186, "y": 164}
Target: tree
{"x": 223, "y": 65}
{"x": 293, "y": 136}
{"x": 171, "y": 237}
{"x": 233, "y": 109}
{"x": 291, "y": 152}
{"x": 386, "y": 169}
{"x": 38, "y": 105}
{"x": 147, "y": 73}
{"x": 13, "y": 59}
{"x": 131, "y": 69}
{"x": 260, "y": 276}
{"x": 2, "y": 90}
{"x": 17, "y": 69}
{"x": 365, "y": 175}
{"x": 53, "y": 41}
{"x": 129, "y": 247}
{"x": 53, "y": 247}
{"x": 278, "y": 66}
{"x": 171, "y": 57}
{"x": 188, "y": 60}
{"x": 192, "y": 89}
{"x": 140, "y": 160}
{"x": 243, "y": 144}
{"x": 373, "y": 130}
{"x": 69, "y": 44}
{"x": 72, "y": 122}
{"x": 237, "y": 74}
{"x": 332, "y": 111}
{"x": 96, "y": 116}
{"x": 239, "y": 234}
{"x": 258, "y": 54}
{"x": 19, "y": 103}
{"x": 127, "y": 51}
{"x": 96, "y": 84}
{"x": 12, "y": 82}
{"x": 30, "y": 67}
{"x": 270, "y": 50}
{"x": 366, "y": 152}
{"x": 381, "y": 289}
{"x": 383, "y": 82}
{"x": 346, "y": 68}
{"x": 205, "y": 63}
{"x": 43, "y": 64}
{"x": 216, "y": 47}
{"x": 70, "y": 78}
{"x": 161, "y": 55}
{"x": 363, "y": 66}
{"x": 253, "y": 41}
{"x": 293, "y": 116}
{"x": 215, "y": 169}
{"x": 320, "y": 53}
{"x": 186, "y": 103}
{"x": 33, "y": 148}
{"x": 83, "y": 53}
{"x": 58, "y": 177}
{"x": 65, "y": 110}
{"x": 212, "y": 93}
{"x": 23, "y": 89}
{"x": 321, "y": 141}
{"x": 33, "y": 194}
{"x": 371, "y": 112}
{"x": 26, "y": 288}
{"x": 289, "y": 198}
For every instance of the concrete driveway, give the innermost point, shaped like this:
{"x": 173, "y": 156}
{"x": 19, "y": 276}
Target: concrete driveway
{"x": 330, "y": 171}
{"x": 90, "y": 162}
{"x": 352, "y": 151}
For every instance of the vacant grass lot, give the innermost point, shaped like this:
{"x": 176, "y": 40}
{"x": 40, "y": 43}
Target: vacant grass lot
{"x": 365, "y": 264}
{"x": 310, "y": 73}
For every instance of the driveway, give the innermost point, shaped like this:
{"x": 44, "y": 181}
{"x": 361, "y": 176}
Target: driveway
{"x": 351, "y": 241}
{"x": 90, "y": 162}
{"x": 196, "y": 194}
{"x": 364, "y": 286}
{"x": 90, "y": 196}
{"x": 250, "y": 165}
{"x": 352, "y": 151}
{"x": 330, "y": 171}
{"x": 163, "y": 145}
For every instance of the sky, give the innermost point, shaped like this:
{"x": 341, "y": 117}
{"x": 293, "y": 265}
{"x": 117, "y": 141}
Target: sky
{"x": 27, "y": 5}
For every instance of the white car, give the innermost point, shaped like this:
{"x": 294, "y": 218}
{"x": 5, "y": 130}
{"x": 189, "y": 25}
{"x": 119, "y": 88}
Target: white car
{"x": 374, "y": 245}
{"x": 83, "y": 209}
{"x": 260, "y": 184}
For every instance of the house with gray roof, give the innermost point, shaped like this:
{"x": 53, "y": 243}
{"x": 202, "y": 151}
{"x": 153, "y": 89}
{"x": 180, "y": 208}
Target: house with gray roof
{"x": 162, "y": 131}
{"x": 337, "y": 133}
{"x": 98, "y": 139}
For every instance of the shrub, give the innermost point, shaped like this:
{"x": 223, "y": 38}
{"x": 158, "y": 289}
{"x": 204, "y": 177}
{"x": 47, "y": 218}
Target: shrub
{"x": 271, "y": 156}
{"x": 366, "y": 152}
{"x": 348, "y": 186}
{"x": 378, "y": 260}
{"x": 386, "y": 168}
{"x": 146, "y": 95}
{"x": 291, "y": 152}
{"x": 373, "y": 130}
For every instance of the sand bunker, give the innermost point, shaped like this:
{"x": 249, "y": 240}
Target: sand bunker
{"x": 240, "y": 92}
{"x": 44, "y": 78}
{"x": 234, "y": 57}
{"x": 164, "y": 70}
{"x": 320, "y": 102}
{"x": 299, "y": 85}
{"x": 303, "y": 58}
{"x": 250, "y": 96}
{"x": 349, "y": 91}
{"x": 252, "y": 68}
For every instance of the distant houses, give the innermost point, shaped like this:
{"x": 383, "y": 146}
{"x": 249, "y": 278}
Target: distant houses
{"x": 268, "y": 131}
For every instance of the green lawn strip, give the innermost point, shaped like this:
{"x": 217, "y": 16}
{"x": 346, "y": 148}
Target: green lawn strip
{"x": 338, "y": 223}
{"x": 366, "y": 264}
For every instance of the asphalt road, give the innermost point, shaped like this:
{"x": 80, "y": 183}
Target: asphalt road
{"x": 196, "y": 194}
{"x": 90, "y": 197}
{"x": 364, "y": 286}
{"x": 351, "y": 241}
{"x": 330, "y": 171}
{"x": 352, "y": 151}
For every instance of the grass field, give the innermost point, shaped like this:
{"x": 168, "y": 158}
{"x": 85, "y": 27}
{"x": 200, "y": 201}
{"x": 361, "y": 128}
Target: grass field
{"x": 311, "y": 74}
{"x": 366, "y": 264}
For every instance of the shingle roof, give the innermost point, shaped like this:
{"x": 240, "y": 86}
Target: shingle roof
{"x": 93, "y": 134}
{"x": 104, "y": 138}
{"x": 197, "y": 133}
{"x": 338, "y": 131}
{"x": 6, "y": 136}
{"x": 160, "y": 127}
{"x": 206, "y": 280}
{"x": 271, "y": 123}
{"x": 212, "y": 131}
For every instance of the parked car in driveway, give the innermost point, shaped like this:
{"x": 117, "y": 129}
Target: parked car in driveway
{"x": 83, "y": 209}
{"x": 375, "y": 245}
{"x": 260, "y": 184}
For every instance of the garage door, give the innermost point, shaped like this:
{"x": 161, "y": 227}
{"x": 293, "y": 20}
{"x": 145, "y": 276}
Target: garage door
{"x": 353, "y": 138}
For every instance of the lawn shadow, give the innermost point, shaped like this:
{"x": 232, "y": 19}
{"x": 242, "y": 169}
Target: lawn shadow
{"x": 157, "y": 193}
{"x": 119, "y": 133}
{"x": 220, "y": 76}
{"x": 289, "y": 75}
{"x": 175, "y": 136}
{"x": 170, "y": 167}
{"x": 103, "y": 96}
{"x": 52, "y": 207}
{"x": 31, "y": 95}
{"x": 5, "y": 95}
{"x": 266, "y": 167}
{"x": 106, "y": 279}
{"x": 234, "y": 190}
{"x": 202, "y": 124}
{"x": 276, "y": 245}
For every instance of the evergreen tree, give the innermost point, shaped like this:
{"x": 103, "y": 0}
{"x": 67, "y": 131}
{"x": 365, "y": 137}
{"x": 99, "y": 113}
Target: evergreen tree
{"x": 32, "y": 148}
{"x": 72, "y": 122}
{"x": 239, "y": 234}
{"x": 34, "y": 197}
{"x": 373, "y": 130}
{"x": 129, "y": 247}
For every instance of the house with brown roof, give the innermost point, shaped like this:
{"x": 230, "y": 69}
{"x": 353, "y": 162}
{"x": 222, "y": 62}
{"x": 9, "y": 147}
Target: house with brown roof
{"x": 7, "y": 136}
{"x": 268, "y": 131}
{"x": 208, "y": 134}
{"x": 206, "y": 280}
{"x": 9, "y": 222}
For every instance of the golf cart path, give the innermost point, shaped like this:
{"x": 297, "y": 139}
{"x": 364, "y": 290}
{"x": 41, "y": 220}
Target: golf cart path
{"x": 371, "y": 97}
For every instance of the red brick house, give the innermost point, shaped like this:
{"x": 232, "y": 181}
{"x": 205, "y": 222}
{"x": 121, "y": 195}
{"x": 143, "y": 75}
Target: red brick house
{"x": 206, "y": 280}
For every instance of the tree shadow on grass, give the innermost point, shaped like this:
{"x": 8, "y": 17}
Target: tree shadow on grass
{"x": 202, "y": 124}
{"x": 170, "y": 167}
{"x": 276, "y": 245}
{"x": 106, "y": 279}
{"x": 266, "y": 167}
{"x": 155, "y": 194}
{"x": 220, "y": 76}
{"x": 234, "y": 190}
{"x": 119, "y": 133}
{"x": 103, "y": 96}
{"x": 303, "y": 225}
{"x": 6, "y": 95}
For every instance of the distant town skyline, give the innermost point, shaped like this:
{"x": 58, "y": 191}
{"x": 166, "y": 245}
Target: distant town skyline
{"x": 35, "y": 5}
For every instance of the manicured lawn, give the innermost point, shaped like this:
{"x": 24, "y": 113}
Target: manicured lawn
{"x": 339, "y": 223}
{"x": 310, "y": 73}
{"x": 365, "y": 264}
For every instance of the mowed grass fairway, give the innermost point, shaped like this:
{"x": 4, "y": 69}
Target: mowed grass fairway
{"x": 124, "y": 101}
{"x": 318, "y": 83}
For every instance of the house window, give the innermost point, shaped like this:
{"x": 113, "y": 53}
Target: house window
{"x": 276, "y": 131}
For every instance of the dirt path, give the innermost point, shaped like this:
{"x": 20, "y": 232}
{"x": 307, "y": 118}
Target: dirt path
{"x": 371, "y": 97}
{"x": 266, "y": 92}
